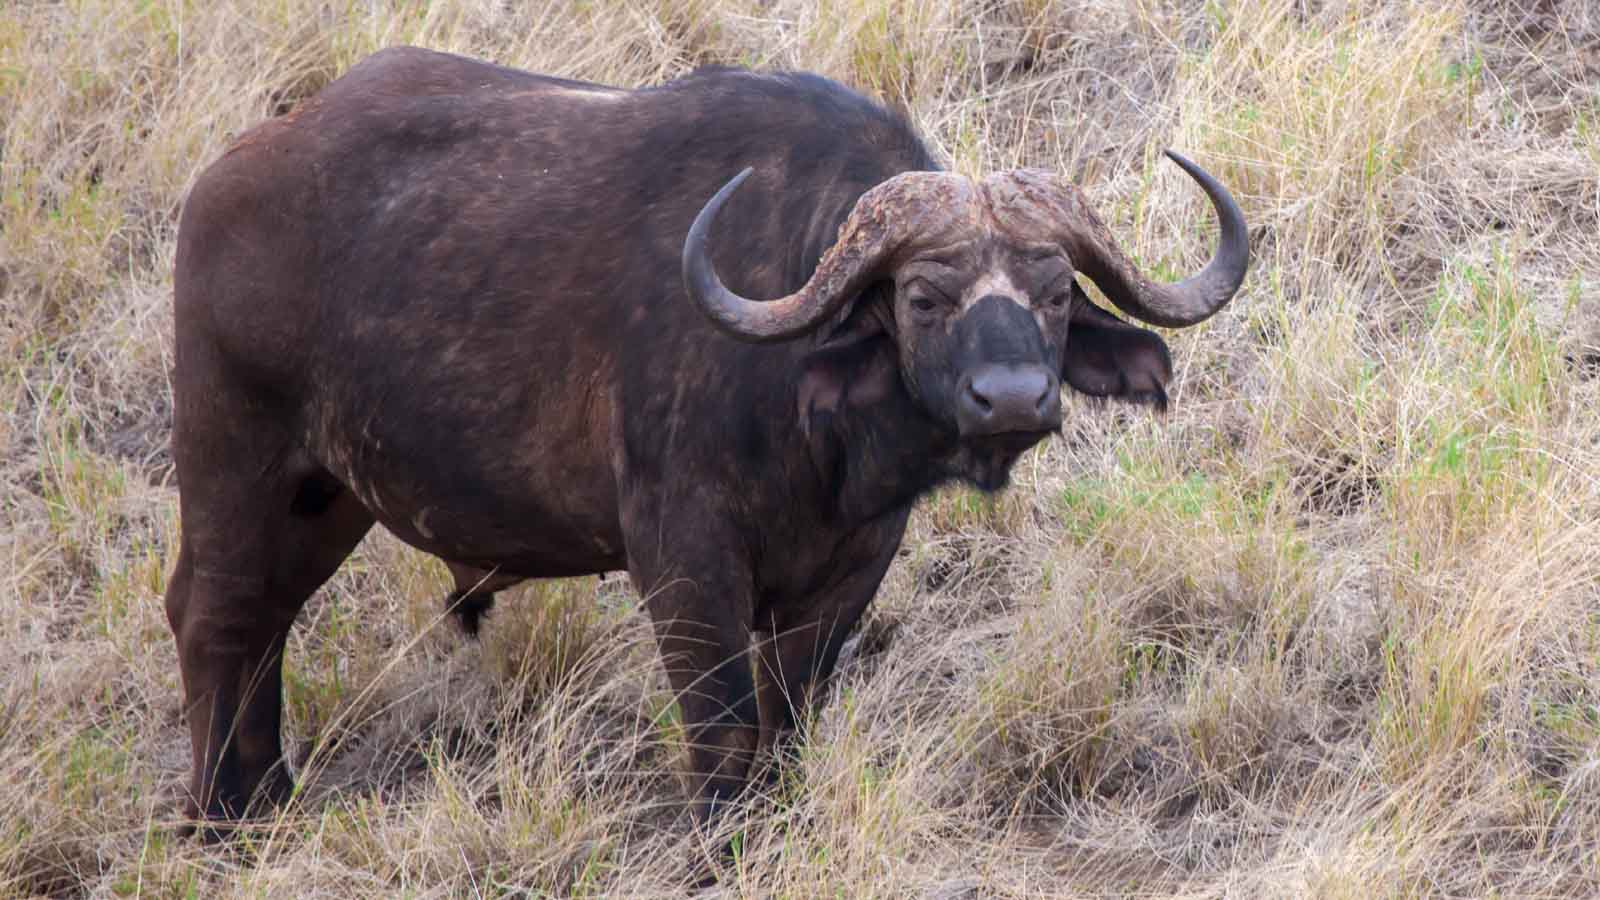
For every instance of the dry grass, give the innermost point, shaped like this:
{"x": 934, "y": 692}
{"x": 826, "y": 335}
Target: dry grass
{"x": 1331, "y": 628}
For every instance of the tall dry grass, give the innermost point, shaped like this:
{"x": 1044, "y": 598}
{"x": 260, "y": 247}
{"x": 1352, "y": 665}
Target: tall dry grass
{"x": 1330, "y": 628}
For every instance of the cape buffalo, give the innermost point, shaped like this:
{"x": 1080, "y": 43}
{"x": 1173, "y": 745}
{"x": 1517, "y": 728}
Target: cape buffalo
{"x": 524, "y": 323}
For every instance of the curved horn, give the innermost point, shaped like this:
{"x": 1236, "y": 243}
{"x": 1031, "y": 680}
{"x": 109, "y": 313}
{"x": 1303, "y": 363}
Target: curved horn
{"x": 875, "y": 230}
{"x": 1097, "y": 255}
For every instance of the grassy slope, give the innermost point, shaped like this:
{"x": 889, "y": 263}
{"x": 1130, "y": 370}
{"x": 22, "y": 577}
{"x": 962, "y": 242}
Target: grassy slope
{"x": 1331, "y": 628}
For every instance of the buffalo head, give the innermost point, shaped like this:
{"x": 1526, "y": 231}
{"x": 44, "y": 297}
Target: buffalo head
{"x": 980, "y": 297}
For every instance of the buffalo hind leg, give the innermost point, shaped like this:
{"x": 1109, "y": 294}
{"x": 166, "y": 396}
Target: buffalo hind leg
{"x": 253, "y": 550}
{"x": 473, "y": 595}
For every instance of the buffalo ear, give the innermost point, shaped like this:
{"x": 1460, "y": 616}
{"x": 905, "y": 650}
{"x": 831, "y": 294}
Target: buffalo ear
{"x": 867, "y": 316}
{"x": 840, "y": 375}
{"x": 1106, "y": 357}
{"x": 835, "y": 378}
{"x": 853, "y": 364}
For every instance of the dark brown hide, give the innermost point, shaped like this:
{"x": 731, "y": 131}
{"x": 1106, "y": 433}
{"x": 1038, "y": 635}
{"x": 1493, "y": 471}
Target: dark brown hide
{"x": 446, "y": 296}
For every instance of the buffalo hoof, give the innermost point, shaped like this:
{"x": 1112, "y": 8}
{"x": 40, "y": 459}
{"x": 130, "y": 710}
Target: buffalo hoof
{"x": 230, "y": 813}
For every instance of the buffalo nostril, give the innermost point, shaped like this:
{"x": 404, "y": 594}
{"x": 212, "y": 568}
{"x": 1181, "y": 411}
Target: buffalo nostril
{"x": 1045, "y": 403}
{"x": 979, "y": 400}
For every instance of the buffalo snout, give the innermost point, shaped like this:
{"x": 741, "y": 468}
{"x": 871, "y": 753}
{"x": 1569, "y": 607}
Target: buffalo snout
{"x": 999, "y": 398}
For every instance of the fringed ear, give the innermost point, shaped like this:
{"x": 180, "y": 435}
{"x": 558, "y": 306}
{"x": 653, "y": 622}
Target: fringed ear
{"x": 866, "y": 317}
{"x": 1106, "y": 357}
{"x": 853, "y": 365}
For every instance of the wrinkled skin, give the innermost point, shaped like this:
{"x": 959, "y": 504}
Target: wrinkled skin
{"x": 445, "y": 296}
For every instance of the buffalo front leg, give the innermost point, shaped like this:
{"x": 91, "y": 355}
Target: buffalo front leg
{"x": 800, "y": 648}
{"x": 702, "y": 627}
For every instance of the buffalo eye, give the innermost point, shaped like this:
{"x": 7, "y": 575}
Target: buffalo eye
{"x": 1059, "y": 300}
{"x": 926, "y": 300}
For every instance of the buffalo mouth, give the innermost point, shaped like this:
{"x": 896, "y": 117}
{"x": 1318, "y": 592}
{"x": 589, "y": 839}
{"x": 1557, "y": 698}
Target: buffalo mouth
{"x": 988, "y": 459}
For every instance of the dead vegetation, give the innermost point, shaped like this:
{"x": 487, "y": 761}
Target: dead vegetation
{"x": 1331, "y": 628}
